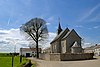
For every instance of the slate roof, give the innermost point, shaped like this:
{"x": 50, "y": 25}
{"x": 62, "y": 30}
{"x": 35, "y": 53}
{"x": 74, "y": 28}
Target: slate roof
{"x": 92, "y": 47}
{"x": 61, "y": 35}
{"x": 64, "y": 34}
{"x": 96, "y": 47}
{"x": 70, "y": 33}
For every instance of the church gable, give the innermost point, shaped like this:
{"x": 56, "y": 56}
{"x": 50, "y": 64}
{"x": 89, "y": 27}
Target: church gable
{"x": 71, "y": 37}
{"x": 71, "y": 33}
{"x": 74, "y": 32}
{"x": 61, "y": 35}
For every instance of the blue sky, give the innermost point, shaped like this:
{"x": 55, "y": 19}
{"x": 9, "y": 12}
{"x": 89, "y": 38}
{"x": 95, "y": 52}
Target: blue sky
{"x": 81, "y": 15}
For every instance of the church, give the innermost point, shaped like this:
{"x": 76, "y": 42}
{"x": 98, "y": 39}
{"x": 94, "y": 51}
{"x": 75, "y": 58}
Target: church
{"x": 66, "y": 41}
{"x": 65, "y": 46}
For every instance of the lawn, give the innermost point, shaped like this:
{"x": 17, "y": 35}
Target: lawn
{"x": 6, "y": 60}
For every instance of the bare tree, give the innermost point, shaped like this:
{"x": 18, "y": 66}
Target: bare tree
{"x": 35, "y": 30}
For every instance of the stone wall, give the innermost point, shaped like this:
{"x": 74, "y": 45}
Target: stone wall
{"x": 66, "y": 57}
{"x": 44, "y": 56}
{"x": 55, "y": 56}
{"x": 82, "y": 56}
{"x": 76, "y": 50}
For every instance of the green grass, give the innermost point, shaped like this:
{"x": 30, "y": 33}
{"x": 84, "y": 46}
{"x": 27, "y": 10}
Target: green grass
{"x": 6, "y": 60}
{"x": 5, "y": 55}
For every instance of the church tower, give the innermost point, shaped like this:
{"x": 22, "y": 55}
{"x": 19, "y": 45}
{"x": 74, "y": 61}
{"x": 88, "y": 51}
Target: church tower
{"x": 59, "y": 28}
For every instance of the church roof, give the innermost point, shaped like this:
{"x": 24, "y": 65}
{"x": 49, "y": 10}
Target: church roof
{"x": 96, "y": 47}
{"x": 75, "y": 44}
{"x": 64, "y": 34}
{"x": 70, "y": 33}
{"x": 61, "y": 35}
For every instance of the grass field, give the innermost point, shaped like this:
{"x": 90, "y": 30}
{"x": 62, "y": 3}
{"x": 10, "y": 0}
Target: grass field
{"x": 6, "y": 60}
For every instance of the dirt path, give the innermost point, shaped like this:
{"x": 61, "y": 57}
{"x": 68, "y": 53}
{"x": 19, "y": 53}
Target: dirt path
{"x": 84, "y": 63}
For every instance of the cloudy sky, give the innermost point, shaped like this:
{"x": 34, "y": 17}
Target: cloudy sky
{"x": 81, "y": 15}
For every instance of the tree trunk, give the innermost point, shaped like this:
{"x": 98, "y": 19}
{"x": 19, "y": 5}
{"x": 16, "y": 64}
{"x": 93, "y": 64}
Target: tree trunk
{"x": 37, "y": 44}
{"x": 37, "y": 55}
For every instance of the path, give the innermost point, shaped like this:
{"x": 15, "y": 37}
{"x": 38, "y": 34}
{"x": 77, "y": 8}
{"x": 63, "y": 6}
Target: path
{"x": 83, "y": 63}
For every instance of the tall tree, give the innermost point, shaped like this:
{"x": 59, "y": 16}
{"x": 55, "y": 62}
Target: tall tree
{"x": 36, "y": 30}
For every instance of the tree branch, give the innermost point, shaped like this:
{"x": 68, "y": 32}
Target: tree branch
{"x": 32, "y": 37}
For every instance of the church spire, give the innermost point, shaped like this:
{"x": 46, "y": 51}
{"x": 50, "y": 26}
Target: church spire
{"x": 59, "y": 28}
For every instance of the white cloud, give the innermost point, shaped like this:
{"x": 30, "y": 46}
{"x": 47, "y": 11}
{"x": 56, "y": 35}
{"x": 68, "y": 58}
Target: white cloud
{"x": 50, "y": 38}
{"x": 87, "y": 45}
{"x": 12, "y": 37}
{"x": 51, "y": 35}
{"x": 48, "y": 23}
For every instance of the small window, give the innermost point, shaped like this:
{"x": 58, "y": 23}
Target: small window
{"x": 32, "y": 52}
